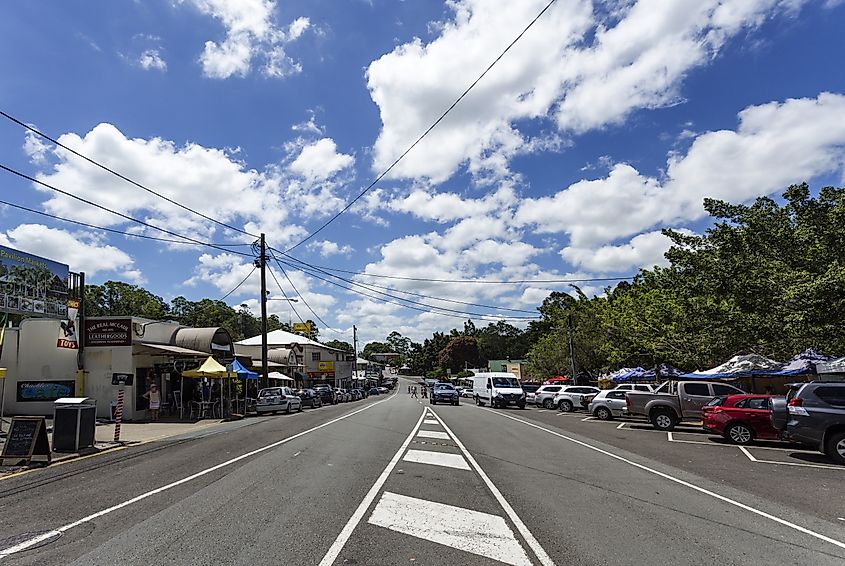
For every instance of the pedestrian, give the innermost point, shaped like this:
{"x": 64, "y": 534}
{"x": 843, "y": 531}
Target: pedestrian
{"x": 153, "y": 395}
{"x": 425, "y": 392}
{"x": 414, "y": 392}
{"x": 409, "y": 390}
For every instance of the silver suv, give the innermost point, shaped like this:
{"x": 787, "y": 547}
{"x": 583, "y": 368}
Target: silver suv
{"x": 814, "y": 414}
{"x": 544, "y": 397}
{"x": 608, "y": 404}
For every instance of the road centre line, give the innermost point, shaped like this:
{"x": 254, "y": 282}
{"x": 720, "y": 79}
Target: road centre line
{"x": 800, "y": 464}
{"x": 346, "y": 532}
{"x": 36, "y": 540}
{"x": 532, "y": 542}
{"x": 679, "y": 481}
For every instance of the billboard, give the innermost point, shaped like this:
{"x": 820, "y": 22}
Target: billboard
{"x": 32, "y": 285}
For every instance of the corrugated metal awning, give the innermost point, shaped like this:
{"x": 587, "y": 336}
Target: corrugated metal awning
{"x": 213, "y": 340}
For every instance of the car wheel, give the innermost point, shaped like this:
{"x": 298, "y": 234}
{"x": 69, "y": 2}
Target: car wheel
{"x": 565, "y": 406}
{"x": 549, "y": 403}
{"x": 739, "y": 434}
{"x": 432, "y": 401}
{"x": 603, "y": 414}
{"x": 663, "y": 419}
{"x": 836, "y": 447}
{"x": 521, "y": 406}
{"x": 456, "y": 403}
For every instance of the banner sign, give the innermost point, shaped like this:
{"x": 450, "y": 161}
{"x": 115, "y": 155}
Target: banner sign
{"x": 115, "y": 332}
{"x": 325, "y": 366}
{"x": 32, "y": 285}
{"x": 67, "y": 329}
{"x": 41, "y": 391}
{"x": 302, "y": 327}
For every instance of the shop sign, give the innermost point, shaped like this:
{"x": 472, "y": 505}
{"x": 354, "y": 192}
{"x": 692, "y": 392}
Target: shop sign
{"x": 67, "y": 328}
{"x": 27, "y": 437}
{"x": 40, "y": 391}
{"x": 116, "y": 332}
{"x": 302, "y": 327}
{"x": 325, "y": 366}
{"x": 32, "y": 285}
{"x": 122, "y": 378}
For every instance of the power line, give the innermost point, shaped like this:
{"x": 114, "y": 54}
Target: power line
{"x": 238, "y": 286}
{"x": 285, "y": 295}
{"x": 298, "y": 294}
{"x": 116, "y": 213}
{"x": 429, "y": 308}
{"x": 370, "y": 286}
{"x": 425, "y": 133}
{"x": 120, "y": 175}
{"x": 112, "y": 230}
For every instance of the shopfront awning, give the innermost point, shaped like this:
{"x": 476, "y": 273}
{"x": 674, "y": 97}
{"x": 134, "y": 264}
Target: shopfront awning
{"x": 159, "y": 349}
{"x": 213, "y": 340}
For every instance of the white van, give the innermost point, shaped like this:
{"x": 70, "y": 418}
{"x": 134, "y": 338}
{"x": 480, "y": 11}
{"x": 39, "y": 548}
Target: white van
{"x": 498, "y": 388}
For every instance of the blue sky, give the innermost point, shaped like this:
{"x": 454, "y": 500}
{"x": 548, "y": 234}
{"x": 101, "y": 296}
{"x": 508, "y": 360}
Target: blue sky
{"x": 605, "y": 123}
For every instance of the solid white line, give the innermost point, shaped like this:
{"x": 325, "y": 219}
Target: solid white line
{"x": 532, "y": 542}
{"x": 432, "y": 434}
{"x": 588, "y": 419}
{"x": 436, "y": 459}
{"x": 343, "y": 537}
{"x": 798, "y": 464}
{"x": 679, "y": 481}
{"x": 35, "y": 540}
{"x": 620, "y": 426}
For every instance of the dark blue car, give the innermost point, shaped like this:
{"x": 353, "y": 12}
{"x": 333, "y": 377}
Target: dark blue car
{"x": 444, "y": 393}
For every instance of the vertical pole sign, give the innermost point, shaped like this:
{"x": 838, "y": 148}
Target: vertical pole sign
{"x": 121, "y": 380}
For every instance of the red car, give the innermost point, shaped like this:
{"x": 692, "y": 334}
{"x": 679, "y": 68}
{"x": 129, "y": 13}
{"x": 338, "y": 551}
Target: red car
{"x": 740, "y": 418}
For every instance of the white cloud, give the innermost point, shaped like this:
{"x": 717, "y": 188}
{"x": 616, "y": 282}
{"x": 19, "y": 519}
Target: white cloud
{"x": 82, "y": 251}
{"x": 35, "y": 148}
{"x": 328, "y": 248}
{"x": 152, "y": 59}
{"x": 320, "y": 160}
{"x": 580, "y": 65}
{"x": 644, "y": 250}
{"x": 251, "y": 33}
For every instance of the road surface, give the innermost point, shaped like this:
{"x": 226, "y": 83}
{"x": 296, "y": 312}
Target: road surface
{"x": 394, "y": 480}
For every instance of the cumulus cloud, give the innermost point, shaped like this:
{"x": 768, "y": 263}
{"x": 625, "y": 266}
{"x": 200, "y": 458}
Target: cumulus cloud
{"x": 644, "y": 250}
{"x": 35, "y": 148}
{"x": 152, "y": 59}
{"x": 82, "y": 251}
{"x": 320, "y": 160}
{"x": 328, "y": 248}
{"x": 581, "y": 66}
{"x": 251, "y": 33}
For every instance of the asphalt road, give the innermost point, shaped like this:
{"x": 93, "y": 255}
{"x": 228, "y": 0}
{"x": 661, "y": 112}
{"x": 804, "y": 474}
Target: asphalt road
{"x": 393, "y": 480}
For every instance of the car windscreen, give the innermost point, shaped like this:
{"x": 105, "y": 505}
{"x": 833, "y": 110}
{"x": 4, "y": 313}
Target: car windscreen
{"x": 506, "y": 382}
{"x": 444, "y": 388}
{"x": 715, "y": 402}
{"x": 269, "y": 392}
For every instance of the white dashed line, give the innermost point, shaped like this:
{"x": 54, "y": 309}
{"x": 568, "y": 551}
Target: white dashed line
{"x": 430, "y": 421}
{"x": 436, "y": 459}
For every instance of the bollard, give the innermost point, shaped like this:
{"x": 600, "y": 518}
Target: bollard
{"x": 118, "y": 415}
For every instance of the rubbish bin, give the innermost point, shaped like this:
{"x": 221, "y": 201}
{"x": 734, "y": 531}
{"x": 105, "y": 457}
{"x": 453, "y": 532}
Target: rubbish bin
{"x": 74, "y": 419}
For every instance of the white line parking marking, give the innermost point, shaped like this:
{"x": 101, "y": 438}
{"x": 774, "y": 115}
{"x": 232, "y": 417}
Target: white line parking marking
{"x": 35, "y": 540}
{"x": 343, "y": 537}
{"x": 436, "y": 459}
{"x": 621, "y": 425}
{"x": 800, "y": 464}
{"x": 538, "y": 551}
{"x": 471, "y": 531}
{"x": 679, "y": 481}
{"x": 433, "y": 434}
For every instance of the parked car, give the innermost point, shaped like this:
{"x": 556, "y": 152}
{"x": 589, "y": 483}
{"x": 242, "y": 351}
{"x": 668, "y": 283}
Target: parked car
{"x": 374, "y": 391}
{"x": 607, "y": 404}
{"x": 647, "y": 387}
{"x": 530, "y": 390}
{"x": 500, "y": 389}
{"x": 309, "y": 398}
{"x": 545, "y": 396}
{"x": 444, "y": 393}
{"x": 573, "y": 397}
{"x": 342, "y": 395}
{"x": 466, "y": 392}
{"x": 675, "y": 401}
{"x": 740, "y": 418}
{"x": 275, "y": 399}
{"x": 814, "y": 415}
{"x": 383, "y": 390}
{"x": 354, "y": 395}
{"x": 326, "y": 393}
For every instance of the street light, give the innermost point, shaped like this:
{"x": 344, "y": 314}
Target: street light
{"x": 290, "y": 314}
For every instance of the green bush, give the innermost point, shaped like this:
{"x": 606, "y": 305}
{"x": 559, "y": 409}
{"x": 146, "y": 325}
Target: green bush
{"x": 464, "y": 374}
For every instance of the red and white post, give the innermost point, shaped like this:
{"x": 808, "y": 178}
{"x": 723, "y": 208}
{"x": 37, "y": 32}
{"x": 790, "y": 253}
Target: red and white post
{"x": 118, "y": 414}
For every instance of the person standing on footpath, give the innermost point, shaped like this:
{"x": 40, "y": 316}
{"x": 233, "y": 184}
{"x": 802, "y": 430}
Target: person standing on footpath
{"x": 153, "y": 395}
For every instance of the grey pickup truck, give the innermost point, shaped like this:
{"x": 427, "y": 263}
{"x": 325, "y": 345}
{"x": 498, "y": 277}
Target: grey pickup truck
{"x": 675, "y": 401}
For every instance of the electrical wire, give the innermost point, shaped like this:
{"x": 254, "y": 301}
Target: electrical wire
{"x": 371, "y": 286}
{"x": 285, "y": 295}
{"x": 425, "y": 133}
{"x": 116, "y": 213}
{"x": 120, "y": 175}
{"x": 298, "y": 294}
{"x": 112, "y": 230}
{"x": 238, "y": 286}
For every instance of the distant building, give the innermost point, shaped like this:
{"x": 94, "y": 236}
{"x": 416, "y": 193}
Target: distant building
{"x": 387, "y": 358}
{"x": 517, "y": 367}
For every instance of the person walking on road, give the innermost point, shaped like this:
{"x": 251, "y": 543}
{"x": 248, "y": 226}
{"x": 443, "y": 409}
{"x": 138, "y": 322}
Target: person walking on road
{"x": 424, "y": 392}
{"x": 414, "y": 392}
{"x": 409, "y": 390}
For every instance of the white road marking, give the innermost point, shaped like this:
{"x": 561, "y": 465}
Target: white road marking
{"x": 437, "y": 459}
{"x": 433, "y": 434}
{"x": 471, "y": 531}
{"x": 295, "y": 454}
{"x": 430, "y": 421}
{"x": 713, "y": 494}
{"x": 670, "y": 436}
{"x": 621, "y": 426}
{"x": 589, "y": 419}
{"x": 841, "y": 518}
{"x": 343, "y": 537}
{"x": 799, "y": 464}
{"x": 36, "y": 540}
{"x": 532, "y": 542}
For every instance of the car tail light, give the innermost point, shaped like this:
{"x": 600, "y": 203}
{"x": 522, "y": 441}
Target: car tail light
{"x": 796, "y": 402}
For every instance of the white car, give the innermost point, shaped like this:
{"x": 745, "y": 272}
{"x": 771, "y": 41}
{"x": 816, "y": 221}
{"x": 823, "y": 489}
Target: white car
{"x": 608, "y": 403}
{"x": 645, "y": 387}
{"x": 574, "y": 397}
{"x": 275, "y": 399}
{"x": 545, "y": 396}
{"x": 466, "y": 392}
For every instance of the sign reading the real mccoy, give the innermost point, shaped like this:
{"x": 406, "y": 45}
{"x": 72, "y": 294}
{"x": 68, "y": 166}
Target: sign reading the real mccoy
{"x": 114, "y": 332}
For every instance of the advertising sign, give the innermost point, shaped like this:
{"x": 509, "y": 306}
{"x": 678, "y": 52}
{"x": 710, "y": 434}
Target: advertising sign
{"x": 325, "y": 366}
{"x": 67, "y": 329}
{"x": 122, "y": 378}
{"x": 32, "y": 285}
{"x": 115, "y": 332}
{"x": 40, "y": 391}
{"x": 304, "y": 327}
{"x": 27, "y": 438}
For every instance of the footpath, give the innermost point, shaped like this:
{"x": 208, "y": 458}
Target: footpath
{"x": 130, "y": 434}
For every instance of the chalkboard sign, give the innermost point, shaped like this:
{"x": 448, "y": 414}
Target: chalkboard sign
{"x": 26, "y": 439}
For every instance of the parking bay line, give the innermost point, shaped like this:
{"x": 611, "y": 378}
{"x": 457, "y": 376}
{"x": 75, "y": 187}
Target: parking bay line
{"x": 55, "y": 532}
{"x": 671, "y": 437}
{"x": 532, "y": 542}
{"x": 800, "y": 464}
{"x": 713, "y": 494}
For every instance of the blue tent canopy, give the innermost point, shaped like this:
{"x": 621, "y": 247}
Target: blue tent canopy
{"x": 242, "y": 371}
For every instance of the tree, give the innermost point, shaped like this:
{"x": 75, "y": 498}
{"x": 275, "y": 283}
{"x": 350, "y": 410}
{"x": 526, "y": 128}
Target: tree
{"x": 115, "y": 298}
{"x": 398, "y": 343}
{"x": 460, "y": 352}
{"x": 374, "y": 348}
{"x": 340, "y": 345}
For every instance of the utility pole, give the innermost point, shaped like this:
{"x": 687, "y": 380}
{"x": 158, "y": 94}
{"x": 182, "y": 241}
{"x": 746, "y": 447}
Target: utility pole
{"x": 262, "y": 263}
{"x": 355, "y": 350}
{"x": 571, "y": 348}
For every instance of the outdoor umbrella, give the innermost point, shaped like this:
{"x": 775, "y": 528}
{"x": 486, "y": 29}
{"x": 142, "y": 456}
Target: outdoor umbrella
{"x": 243, "y": 373}
{"x": 210, "y": 369}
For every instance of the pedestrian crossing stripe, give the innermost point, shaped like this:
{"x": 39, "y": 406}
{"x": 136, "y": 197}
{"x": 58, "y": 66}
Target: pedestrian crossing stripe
{"x": 444, "y": 459}
{"x": 433, "y": 434}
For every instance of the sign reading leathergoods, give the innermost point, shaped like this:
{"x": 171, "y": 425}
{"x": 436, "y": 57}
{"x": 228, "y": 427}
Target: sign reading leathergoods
{"x": 113, "y": 332}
